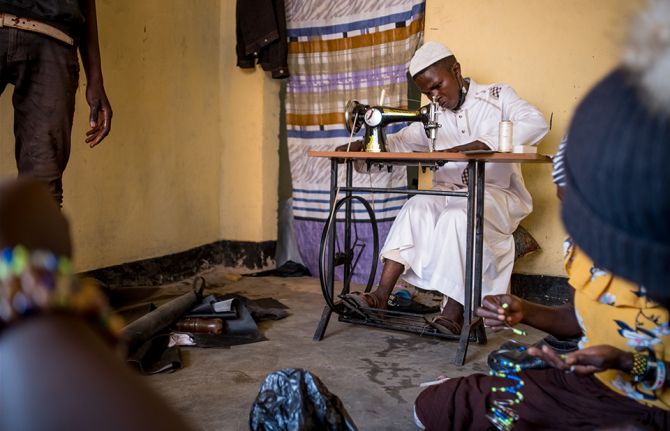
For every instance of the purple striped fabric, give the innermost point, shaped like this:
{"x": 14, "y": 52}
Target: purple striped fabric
{"x": 363, "y": 25}
{"x": 349, "y": 80}
{"x": 319, "y": 87}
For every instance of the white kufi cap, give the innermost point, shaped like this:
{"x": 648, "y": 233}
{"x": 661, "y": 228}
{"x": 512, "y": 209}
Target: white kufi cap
{"x": 429, "y": 54}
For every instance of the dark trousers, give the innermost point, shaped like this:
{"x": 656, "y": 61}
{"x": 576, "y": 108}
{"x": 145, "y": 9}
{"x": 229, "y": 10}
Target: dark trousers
{"x": 45, "y": 74}
{"x": 553, "y": 400}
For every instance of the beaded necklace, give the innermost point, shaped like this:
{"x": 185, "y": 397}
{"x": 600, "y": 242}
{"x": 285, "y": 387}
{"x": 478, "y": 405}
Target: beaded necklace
{"x": 37, "y": 281}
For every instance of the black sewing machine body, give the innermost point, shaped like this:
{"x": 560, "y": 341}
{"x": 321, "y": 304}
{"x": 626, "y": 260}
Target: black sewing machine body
{"x": 376, "y": 118}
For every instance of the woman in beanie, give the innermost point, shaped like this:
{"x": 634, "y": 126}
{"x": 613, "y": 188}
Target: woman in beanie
{"x": 616, "y": 209}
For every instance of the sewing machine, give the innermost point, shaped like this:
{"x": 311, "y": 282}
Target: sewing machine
{"x": 375, "y": 118}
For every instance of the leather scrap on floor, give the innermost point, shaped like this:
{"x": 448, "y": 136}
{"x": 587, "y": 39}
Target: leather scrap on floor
{"x": 212, "y": 322}
{"x": 155, "y": 356}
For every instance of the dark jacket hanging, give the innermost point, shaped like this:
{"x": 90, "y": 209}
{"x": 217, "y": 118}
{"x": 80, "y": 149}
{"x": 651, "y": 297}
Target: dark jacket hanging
{"x": 261, "y": 36}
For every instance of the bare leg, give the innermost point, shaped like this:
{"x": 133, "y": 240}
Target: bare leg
{"x": 453, "y": 311}
{"x": 450, "y": 320}
{"x": 390, "y": 274}
{"x": 378, "y": 299}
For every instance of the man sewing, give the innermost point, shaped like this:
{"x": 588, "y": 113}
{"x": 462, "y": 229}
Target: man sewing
{"x": 618, "y": 266}
{"x": 427, "y": 243}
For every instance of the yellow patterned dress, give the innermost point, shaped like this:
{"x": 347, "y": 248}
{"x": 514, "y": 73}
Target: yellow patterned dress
{"x": 613, "y": 311}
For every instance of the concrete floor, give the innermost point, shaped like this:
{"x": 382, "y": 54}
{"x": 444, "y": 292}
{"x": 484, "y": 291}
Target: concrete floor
{"x": 376, "y": 373}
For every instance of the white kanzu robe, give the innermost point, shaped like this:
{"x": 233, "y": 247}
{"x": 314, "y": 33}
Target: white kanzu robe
{"x": 429, "y": 234}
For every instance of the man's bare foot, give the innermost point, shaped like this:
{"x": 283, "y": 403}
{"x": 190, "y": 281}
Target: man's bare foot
{"x": 369, "y": 300}
{"x": 379, "y": 298}
{"x": 450, "y": 321}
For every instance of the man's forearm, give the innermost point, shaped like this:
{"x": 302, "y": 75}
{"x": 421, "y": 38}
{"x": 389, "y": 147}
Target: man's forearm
{"x": 89, "y": 48}
{"x": 476, "y": 145}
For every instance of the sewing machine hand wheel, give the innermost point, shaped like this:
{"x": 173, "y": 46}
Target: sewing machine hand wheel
{"x": 330, "y": 261}
{"x": 351, "y": 111}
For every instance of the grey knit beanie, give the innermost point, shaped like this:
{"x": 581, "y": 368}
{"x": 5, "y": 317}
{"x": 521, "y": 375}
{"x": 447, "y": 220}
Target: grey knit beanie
{"x": 617, "y": 161}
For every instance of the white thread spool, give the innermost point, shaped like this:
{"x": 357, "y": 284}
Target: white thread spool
{"x": 505, "y": 137}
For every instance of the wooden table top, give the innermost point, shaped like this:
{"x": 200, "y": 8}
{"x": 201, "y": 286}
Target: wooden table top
{"x": 433, "y": 157}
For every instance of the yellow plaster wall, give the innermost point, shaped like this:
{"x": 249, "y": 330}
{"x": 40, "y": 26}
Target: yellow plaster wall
{"x": 551, "y": 52}
{"x": 250, "y": 160}
{"x": 192, "y": 157}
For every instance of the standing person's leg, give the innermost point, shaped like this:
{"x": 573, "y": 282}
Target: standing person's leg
{"x": 5, "y": 40}
{"x": 46, "y": 79}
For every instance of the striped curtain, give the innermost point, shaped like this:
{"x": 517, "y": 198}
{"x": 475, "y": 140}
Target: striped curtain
{"x": 338, "y": 51}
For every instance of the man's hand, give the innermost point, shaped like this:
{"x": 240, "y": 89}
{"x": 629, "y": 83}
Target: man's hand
{"x": 354, "y": 147}
{"x": 100, "y": 118}
{"x": 496, "y": 315}
{"x": 476, "y": 145}
{"x": 586, "y": 361}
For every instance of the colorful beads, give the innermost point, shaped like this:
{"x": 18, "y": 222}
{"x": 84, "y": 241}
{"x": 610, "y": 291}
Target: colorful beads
{"x": 38, "y": 281}
{"x": 502, "y": 416}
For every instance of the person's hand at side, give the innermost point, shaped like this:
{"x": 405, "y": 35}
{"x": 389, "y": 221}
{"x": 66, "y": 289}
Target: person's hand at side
{"x": 500, "y": 311}
{"x": 100, "y": 118}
